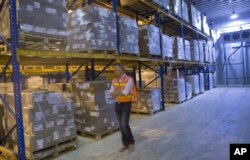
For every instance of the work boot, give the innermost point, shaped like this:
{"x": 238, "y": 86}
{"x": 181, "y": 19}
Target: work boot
{"x": 131, "y": 147}
{"x": 123, "y": 148}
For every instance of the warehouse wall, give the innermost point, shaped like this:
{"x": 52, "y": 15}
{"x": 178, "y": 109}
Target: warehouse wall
{"x": 235, "y": 69}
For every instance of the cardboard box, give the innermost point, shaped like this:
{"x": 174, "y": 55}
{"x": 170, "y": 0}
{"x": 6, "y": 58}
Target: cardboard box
{"x": 128, "y": 36}
{"x": 149, "y": 100}
{"x": 149, "y": 40}
{"x": 91, "y": 28}
{"x": 30, "y": 18}
{"x": 194, "y": 81}
{"x": 167, "y": 46}
{"x": 179, "y": 53}
{"x": 195, "y": 56}
{"x": 187, "y": 51}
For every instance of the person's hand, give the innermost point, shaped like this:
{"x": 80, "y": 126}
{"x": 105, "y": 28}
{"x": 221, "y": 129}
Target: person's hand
{"x": 115, "y": 93}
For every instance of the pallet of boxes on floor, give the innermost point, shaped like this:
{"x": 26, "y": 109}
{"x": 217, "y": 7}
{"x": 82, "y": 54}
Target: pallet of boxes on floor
{"x": 95, "y": 111}
{"x": 149, "y": 98}
{"x": 48, "y": 120}
{"x": 179, "y": 88}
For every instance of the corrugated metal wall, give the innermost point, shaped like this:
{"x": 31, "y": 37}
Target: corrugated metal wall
{"x": 238, "y": 68}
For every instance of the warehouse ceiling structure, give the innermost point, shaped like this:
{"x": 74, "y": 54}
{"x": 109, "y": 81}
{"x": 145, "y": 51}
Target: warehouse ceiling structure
{"x": 221, "y": 8}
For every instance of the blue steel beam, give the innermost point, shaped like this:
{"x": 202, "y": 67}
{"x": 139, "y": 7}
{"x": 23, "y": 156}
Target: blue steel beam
{"x": 134, "y": 75}
{"x": 16, "y": 80}
{"x": 5, "y": 68}
{"x": 140, "y": 78}
{"x": 67, "y": 74}
{"x": 162, "y": 87}
{"x": 87, "y": 78}
{"x": 117, "y": 26}
{"x": 185, "y": 77}
{"x": 110, "y": 63}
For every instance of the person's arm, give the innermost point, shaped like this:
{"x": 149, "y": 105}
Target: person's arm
{"x": 126, "y": 91}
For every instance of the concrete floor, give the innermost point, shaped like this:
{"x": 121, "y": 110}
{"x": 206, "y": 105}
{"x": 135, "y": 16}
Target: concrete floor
{"x": 199, "y": 129}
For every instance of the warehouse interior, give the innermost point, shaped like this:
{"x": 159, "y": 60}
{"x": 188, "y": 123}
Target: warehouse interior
{"x": 188, "y": 61}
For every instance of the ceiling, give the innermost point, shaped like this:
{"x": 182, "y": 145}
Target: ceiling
{"x": 221, "y": 8}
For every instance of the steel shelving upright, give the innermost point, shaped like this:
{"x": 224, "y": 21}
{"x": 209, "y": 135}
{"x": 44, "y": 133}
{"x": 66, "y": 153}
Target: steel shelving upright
{"x": 16, "y": 79}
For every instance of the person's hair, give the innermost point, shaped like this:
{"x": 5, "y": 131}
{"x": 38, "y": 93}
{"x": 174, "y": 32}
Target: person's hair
{"x": 120, "y": 66}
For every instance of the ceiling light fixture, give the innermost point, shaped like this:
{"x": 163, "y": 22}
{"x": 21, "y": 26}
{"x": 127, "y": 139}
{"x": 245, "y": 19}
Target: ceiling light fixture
{"x": 234, "y": 15}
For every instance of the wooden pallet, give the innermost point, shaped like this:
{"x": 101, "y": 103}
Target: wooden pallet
{"x": 168, "y": 58}
{"x": 179, "y": 102}
{"x": 131, "y": 54}
{"x": 53, "y": 151}
{"x": 96, "y": 136}
{"x": 153, "y": 56}
{"x": 35, "y": 42}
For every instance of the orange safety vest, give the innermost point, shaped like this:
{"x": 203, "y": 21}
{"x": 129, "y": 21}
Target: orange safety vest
{"x": 131, "y": 97}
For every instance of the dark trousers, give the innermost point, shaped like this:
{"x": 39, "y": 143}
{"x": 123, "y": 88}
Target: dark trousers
{"x": 122, "y": 111}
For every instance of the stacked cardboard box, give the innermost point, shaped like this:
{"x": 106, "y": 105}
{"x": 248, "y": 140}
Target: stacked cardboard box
{"x": 187, "y": 50}
{"x": 209, "y": 81}
{"x": 48, "y": 119}
{"x": 149, "y": 100}
{"x": 91, "y": 28}
{"x": 185, "y": 11}
{"x": 194, "y": 81}
{"x": 205, "y": 27}
{"x": 128, "y": 36}
{"x": 206, "y": 52}
{"x": 210, "y": 50}
{"x": 167, "y": 46}
{"x": 163, "y": 3}
{"x": 199, "y": 21}
{"x": 44, "y": 18}
{"x": 213, "y": 55}
{"x": 201, "y": 51}
{"x": 194, "y": 45}
{"x": 179, "y": 8}
{"x": 149, "y": 40}
{"x": 202, "y": 82}
{"x": 176, "y": 7}
{"x": 178, "y": 49}
{"x": 189, "y": 90}
{"x": 194, "y": 16}
{"x": 95, "y": 113}
{"x": 175, "y": 89}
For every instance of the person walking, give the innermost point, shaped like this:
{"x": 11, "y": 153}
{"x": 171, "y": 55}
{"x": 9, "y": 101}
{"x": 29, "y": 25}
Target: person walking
{"x": 124, "y": 91}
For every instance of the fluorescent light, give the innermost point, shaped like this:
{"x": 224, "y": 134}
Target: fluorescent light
{"x": 234, "y": 15}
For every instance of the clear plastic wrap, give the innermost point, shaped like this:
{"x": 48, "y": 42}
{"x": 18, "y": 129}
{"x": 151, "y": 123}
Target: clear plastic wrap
{"x": 187, "y": 50}
{"x": 163, "y": 3}
{"x": 91, "y": 28}
{"x": 128, "y": 35}
{"x": 149, "y": 40}
{"x": 179, "y": 53}
{"x": 194, "y": 81}
{"x": 194, "y": 45}
{"x": 167, "y": 46}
